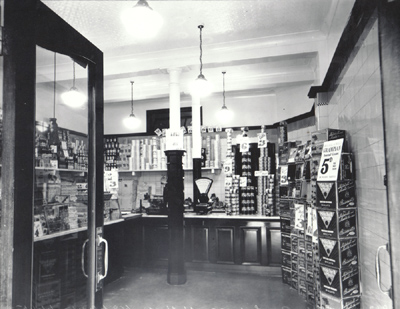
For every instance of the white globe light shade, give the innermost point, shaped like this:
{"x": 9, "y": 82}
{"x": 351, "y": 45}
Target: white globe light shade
{"x": 142, "y": 21}
{"x": 200, "y": 87}
{"x": 74, "y": 98}
{"x": 131, "y": 122}
{"x": 225, "y": 115}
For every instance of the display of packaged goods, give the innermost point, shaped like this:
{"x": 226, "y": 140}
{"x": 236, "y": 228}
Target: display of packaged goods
{"x": 295, "y": 280}
{"x": 285, "y": 225}
{"x": 285, "y": 241}
{"x": 298, "y": 216}
{"x": 286, "y": 275}
{"x": 338, "y": 252}
{"x": 335, "y": 194}
{"x": 294, "y": 243}
{"x": 286, "y": 259}
{"x": 337, "y": 224}
{"x": 287, "y": 152}
{"x": 340, "y": 282}
{"x": 284, "y": 207}
{"x": 329, "y": 302}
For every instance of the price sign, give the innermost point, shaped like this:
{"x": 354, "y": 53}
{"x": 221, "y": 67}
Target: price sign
{"x": 243, "y": 182}
{"x": 244, "y": 144}
{"x": 228, "y": 166}
{"x": 228, "y": 182}
{"x": 330, "y": 160}
{"x": 284, "y": 175}
{"x": 262, "y": 140}
{"x": 261, "y": 173}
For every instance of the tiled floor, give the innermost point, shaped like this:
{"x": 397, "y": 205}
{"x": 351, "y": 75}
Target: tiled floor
{"x": 145, "y": 289}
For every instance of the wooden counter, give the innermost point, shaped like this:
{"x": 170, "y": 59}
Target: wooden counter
{"x": 216, "y": 241}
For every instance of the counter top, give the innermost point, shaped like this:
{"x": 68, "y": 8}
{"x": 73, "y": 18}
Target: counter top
{"x": 187, "y": 215}
{"x": 219, "y": 215}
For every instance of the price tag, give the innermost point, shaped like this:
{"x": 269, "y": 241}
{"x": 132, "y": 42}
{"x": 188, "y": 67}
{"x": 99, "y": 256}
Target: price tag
{"x": 262, "y": 140}
{"x": 284, "y": 175}
{"x": 261, "y": 173}
{"x": 228, "y": 182}
{"x": 330, "y": 160}
{"x": 243, "y": 182}
{"x": 228, "y": 166}
{"x": 244, "y": 144}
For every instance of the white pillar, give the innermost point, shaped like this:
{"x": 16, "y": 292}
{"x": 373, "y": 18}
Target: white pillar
{"x": 174, "y": 99}
{"x": 196, "y": 127}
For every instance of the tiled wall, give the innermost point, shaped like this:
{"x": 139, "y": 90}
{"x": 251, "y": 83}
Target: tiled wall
{"x": 356, "y": 107}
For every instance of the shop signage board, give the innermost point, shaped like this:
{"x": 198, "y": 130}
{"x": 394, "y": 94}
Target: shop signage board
{"x": 330, "y": 160}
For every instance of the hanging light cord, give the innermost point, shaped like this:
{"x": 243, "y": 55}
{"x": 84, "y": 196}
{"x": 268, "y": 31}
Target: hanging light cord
{"x": 132, "y": 97}
{"x": 73, "y": 80}
{"x": 54, "y": 87}
{"x": 223, "y": 82}
{"x": 201, "y": 50}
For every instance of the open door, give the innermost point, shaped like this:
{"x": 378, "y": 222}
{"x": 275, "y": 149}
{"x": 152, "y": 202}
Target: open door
{"x": 34, "y": 224}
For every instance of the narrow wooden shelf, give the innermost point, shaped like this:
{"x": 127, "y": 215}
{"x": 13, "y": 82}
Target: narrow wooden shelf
{"x": 60, "y": 169}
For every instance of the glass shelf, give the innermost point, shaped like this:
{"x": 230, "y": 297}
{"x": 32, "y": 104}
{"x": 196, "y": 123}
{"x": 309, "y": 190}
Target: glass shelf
{"x": 211, "y": 169}
{"x": 60, "y": 169}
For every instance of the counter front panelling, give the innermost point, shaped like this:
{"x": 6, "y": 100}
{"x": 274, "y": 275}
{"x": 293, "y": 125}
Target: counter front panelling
{"x": 216, "y": 239}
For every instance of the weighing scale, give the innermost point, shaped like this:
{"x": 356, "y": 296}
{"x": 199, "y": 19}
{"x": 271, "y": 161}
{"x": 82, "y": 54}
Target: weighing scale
{"x": 203, "y": 184}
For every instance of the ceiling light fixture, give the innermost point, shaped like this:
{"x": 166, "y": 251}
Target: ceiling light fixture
{"x": 142, "y": 21}
{"x": 73, "y": 97}
{"x": 201, "y": 87}
{"x": 131, "y": 122}
{"x": 224, "y": 114}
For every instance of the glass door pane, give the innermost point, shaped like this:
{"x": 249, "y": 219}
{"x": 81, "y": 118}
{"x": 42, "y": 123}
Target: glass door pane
{"x": 61, "y": 183}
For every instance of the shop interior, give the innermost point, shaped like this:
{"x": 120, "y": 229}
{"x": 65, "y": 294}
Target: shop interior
{"x": 272, "y": 190}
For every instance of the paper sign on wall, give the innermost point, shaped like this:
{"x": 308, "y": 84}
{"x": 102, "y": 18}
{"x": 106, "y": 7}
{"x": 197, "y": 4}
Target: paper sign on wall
{"x": 262, "y": 140}
{"x": 330, "y": 160}
{"x": 174, "y": 139}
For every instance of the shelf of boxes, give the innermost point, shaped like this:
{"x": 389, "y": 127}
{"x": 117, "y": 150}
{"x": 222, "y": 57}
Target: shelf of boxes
{"x": 318, "y": 226}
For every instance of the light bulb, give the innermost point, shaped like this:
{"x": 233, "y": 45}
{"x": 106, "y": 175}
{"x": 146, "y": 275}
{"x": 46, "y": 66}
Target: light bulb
{"x": 142, "y": 21}
{"x": 201, "y": 87}
{"x": 224, "y": 114}
{"x": 74, "y": 98}
{"x": 131, "y": 122}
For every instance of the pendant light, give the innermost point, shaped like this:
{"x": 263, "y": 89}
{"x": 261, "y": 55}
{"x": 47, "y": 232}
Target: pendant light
{"x": 73, "y": 97}
{"x": 201, "y": 87}
{"x": 224, "y": 114}
{"x": 131, "y": 122}
{"x": 142, "y": 21}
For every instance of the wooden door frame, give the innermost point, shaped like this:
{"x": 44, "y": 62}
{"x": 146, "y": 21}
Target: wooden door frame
{"x": 389, "y": 51}
{"x": 28, "y": 24}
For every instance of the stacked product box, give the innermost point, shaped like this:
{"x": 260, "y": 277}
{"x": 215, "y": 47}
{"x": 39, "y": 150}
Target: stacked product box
{"x": 318, "y": 138}
{"x": 232, "y": 181}
{"x": 335, "y": 205}
{"x": 338, "y": 244}
{"x": 286, "y": 241}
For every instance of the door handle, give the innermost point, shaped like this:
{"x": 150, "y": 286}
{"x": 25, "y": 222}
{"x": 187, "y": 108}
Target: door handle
{"x": 83, "y": 258}
{"x": 378, "y": 270}
{"x": 99, "y": 275}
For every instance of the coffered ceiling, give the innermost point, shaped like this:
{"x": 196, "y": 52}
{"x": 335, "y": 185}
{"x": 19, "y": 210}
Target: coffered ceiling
{"x": 263, "y": 45}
